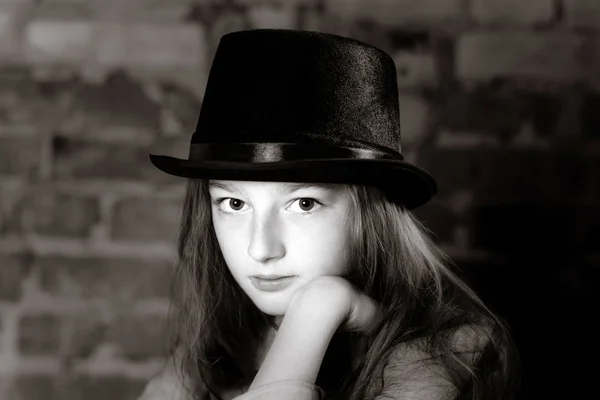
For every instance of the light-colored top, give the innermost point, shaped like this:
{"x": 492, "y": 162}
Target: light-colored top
{"x": 405, "y": 376}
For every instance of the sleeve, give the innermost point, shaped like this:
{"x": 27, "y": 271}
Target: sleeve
{"x": 411, "y": 375}
{"x": 289, "y": 390}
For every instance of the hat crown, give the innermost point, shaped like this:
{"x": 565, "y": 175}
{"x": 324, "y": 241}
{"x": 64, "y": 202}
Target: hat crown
{"x": 273, "y": 85}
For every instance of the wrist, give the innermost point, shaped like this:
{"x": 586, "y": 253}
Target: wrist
{"x": 312, "y": 312}
{"x": 298, "y": 348}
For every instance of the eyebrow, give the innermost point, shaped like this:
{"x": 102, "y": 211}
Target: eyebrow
{"x": 287, "y": 187}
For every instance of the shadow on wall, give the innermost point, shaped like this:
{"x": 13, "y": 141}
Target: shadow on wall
{"x": 535, "y": 209}
{"x": 545, "y": 290}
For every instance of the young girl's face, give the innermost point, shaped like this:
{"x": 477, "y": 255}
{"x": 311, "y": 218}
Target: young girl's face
{"x": 280, "y": 229}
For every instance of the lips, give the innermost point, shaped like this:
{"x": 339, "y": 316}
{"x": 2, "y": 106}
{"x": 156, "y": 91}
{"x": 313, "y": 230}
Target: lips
{"x": 271, "y": 277}
{"x": 272, "y": 285}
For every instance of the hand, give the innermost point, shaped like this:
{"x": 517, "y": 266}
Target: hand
{"x": 335, "y": 297}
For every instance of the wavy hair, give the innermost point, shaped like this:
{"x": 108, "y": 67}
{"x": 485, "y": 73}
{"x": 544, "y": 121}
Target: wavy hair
{"x": 216, "y": 330}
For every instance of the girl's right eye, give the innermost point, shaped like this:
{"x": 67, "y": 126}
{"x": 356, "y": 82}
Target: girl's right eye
{"x": 234, "y": 204}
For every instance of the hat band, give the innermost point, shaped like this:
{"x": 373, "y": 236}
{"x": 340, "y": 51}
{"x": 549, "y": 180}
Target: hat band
{"x": 277, "y": 152}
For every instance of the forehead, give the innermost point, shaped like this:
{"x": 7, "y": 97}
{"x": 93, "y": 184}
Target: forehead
{"x": 277, "y": 187}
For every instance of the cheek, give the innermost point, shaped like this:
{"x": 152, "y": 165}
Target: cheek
{"x": 228, "y": 242}
{"x": 327, "y": 254}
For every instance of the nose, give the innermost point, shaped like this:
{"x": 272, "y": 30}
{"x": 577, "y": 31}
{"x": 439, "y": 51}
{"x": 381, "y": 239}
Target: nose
{"x": 265, "y": 242}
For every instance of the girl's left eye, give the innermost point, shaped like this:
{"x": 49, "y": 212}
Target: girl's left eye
{"x": 306, "y": 205}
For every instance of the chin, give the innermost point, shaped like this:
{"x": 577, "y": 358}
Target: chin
{"x": 271, "y": 308}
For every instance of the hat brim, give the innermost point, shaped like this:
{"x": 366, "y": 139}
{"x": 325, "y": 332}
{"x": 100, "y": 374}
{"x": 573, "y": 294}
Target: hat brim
{"x": 402, "y": 182}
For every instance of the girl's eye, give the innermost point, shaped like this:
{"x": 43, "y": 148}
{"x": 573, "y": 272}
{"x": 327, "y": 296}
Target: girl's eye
{"x": 306, "y": 205}
{"x": 235, "y": 204}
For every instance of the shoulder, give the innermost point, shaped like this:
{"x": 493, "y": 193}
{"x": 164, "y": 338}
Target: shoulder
{"x": 168, "y": 383}
{"x": 464, "y": 339}
{"x": 471, "y": 340}
{"x": 411, "y": 371}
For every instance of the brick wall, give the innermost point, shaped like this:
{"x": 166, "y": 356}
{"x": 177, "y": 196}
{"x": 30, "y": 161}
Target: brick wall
{"x": 499, "y": 102}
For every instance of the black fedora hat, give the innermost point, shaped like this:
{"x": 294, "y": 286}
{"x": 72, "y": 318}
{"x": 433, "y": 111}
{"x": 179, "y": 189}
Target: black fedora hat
{"x": 301, "y": 106}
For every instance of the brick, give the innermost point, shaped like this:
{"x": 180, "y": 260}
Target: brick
{"x": 163, "y": 11}
{"x": 175, "y": 147}
{"x": 466, "y": 139}
{"x": 439, "y": 219}
{"x": 179, "y": 112}
{"x": 274, "y": 2}
{"x": 150, "y": 45}
{"x": 140, "y": 337}
{"x": 85, "y": 159}
{"x": 10, "y": 200}
{"x": 34, "y": 387}
{"x": 165, "y": 45}
{"x": 118, "y": 10}
{"x": 582, "y": 13}
{"x": 14, "y": 268}
{"x": 495, "y": 175}
{"x": 401, "y": 13}
{"x": 551, "y": 56}
{"x": 7, "y": 34}
{"x": 314, "y": 20}
{"x": 452, "y": 169}
{"x": 111, "y": 46}
{"x": 118, "y": 109}
{"x": 60, "y": 214}
{"x": 20, "y": 156}
{"x": 414, "y": 118}
{"x": 146, "y": 219}
{"x": 504, "y": 112}
{"x": 263, "y": 17}
{"x": 5, "y": 386}
{"x": 75, "y": 387}
{"x": 50, "y": 41}
{"x": 378, "y": 36}
{"x": 523, "y": 175}
{"x": 9, "y": 31}
{"x": 84, "y": 334}
{"x": 102, "y": 387}
{"x": 61, "y": 10}
{"x": 39, "y": 334}
{"x": 372, "y": 34}
{"x": 416, "y": 70}
{"x": 538, "y": 177}
{"x": 21, "y": 101}
{"x": 111, "y": 279}
{"x": 345, "y": 9}
{"x": 220, "y": 24}
{"x": 513, "y": 12}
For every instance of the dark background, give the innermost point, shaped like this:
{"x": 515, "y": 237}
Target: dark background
{"x": 499, "y": 102}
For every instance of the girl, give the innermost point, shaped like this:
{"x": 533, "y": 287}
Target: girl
{"x": 302, "y": 272}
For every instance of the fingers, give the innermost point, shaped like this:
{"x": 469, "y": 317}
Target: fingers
{"x": 365, "y": 316}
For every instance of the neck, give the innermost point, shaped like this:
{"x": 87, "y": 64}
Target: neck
{"x": 265, "y": 346}
{"x": 278, "y": 319}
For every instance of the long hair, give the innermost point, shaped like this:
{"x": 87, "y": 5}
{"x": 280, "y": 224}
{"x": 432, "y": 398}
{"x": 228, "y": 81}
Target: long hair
{"x": 217, "y": 330}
